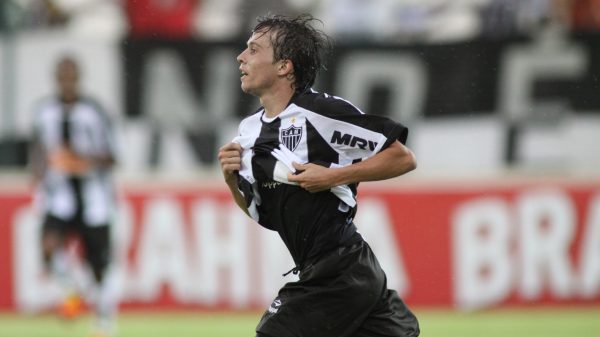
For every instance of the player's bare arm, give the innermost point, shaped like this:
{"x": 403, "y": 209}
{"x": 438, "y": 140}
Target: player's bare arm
{"x": 37, "y": 160}
{"x": 230, "y": 159}
{"x": 394, "y": 161}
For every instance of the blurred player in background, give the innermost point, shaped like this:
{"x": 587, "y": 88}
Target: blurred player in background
{"x": 72, "y": 158}
{"x": 295, "y": 168}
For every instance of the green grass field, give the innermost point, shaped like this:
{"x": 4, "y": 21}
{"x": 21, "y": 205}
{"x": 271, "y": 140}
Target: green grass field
{"x": 434, "y": 323}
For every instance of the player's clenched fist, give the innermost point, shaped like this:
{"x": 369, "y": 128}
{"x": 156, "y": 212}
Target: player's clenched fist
{"x": 230, "y": 158}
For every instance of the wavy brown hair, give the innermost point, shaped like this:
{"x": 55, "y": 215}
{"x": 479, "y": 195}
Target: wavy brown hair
{"x": 297, "y": 40}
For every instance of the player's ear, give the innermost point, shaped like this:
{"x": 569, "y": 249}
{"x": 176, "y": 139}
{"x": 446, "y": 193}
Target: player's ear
{"x": 285, "y": 67}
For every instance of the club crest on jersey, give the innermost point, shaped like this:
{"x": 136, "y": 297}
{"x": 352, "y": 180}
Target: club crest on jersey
{"x": 291, "y": 136}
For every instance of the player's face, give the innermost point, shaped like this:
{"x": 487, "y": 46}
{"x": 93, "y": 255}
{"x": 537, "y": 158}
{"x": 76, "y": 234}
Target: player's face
{"x": 67, "y": 76}
{"x": 259, "y": 71}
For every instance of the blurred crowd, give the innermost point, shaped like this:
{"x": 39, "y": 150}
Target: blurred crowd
{"x": 362, "y": 20}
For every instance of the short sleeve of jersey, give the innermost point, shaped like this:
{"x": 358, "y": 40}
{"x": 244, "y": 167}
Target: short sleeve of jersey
{"x": 105, "y": 137}
{"x": 349, "y": 131}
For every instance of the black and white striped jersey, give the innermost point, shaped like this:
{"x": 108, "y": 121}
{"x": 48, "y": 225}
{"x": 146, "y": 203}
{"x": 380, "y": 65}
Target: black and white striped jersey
{"x": 315, "y": 128}
{"x": 85, "y": 128}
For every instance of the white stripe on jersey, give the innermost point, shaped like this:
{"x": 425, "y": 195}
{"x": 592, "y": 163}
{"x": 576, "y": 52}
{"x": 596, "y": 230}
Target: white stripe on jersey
{"x": 327, "y": 128}
{"x": 345, "y": 100}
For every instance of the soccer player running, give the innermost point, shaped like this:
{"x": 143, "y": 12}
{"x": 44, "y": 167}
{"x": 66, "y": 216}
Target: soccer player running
{"x": 294, "y": 168}
{"x": 73, "y": 153}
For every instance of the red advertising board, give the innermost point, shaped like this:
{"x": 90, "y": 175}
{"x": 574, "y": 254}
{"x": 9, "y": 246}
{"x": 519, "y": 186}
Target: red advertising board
{"x": 470, "y": 247}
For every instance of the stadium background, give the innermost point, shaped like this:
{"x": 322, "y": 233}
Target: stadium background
{"x": 498, "y": 228}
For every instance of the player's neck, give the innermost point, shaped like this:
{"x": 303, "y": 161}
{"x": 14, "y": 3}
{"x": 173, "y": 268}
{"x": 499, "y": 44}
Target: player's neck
{"x": 275, "y": 101}
{"x": 68, "y": 98}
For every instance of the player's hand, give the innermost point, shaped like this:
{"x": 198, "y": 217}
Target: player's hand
{"x": 230, "y": 158}
{"x": 69, "y": 162}
{"x": 312, "y": 177}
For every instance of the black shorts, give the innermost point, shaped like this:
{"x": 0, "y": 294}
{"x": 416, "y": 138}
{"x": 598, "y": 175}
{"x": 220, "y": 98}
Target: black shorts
{"x": 344, "y": 294}
{"x": 95, "y": 239}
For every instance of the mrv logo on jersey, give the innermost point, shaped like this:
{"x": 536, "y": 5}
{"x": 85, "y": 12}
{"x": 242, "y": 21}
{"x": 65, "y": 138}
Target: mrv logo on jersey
{"x": 353, "y": 141}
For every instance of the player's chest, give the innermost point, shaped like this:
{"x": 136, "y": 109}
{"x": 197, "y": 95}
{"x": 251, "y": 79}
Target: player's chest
{"x": 291, "y": 131}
